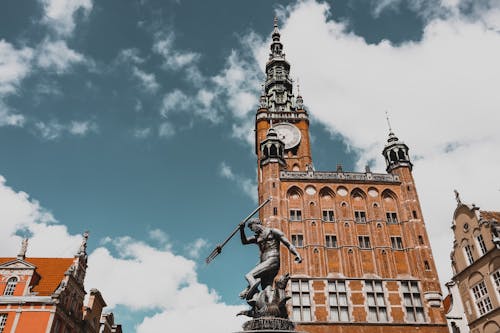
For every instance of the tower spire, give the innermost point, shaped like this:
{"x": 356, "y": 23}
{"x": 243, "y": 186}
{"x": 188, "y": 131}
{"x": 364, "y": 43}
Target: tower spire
{"x": 388, "y": 121}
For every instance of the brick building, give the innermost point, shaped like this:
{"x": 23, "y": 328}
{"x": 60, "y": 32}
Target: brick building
{"x": 46, "y": 295}
{"x": 475, "y": 260}
{"x": 368, "y": 264}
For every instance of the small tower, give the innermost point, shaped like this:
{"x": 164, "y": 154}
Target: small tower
{"x": 396, "y": 153}
{"x": 272, "y": 149}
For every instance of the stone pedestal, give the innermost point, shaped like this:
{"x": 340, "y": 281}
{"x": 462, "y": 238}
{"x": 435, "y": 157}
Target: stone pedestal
{"x": 269, "y": 325}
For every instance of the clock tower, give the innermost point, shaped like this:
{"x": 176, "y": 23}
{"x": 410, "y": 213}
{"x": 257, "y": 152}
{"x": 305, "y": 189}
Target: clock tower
{"x": 368, "y": 265}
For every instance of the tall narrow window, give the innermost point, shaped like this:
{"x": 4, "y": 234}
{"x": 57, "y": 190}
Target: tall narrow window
{"x": 481, "y": 298}
{"x": 391, "y": 217}
{"x": 412, "y": 302}
{"x": 298, "y": 240}
{"x": 397, "y": 243}
{"x": 360, "y": 216}
{"x": 468, "y": 254}
{"x": 10, "y": 287}
{"x": 420, "y": 240}
{"x": 301, "y": 300}
{"x": 3, "y": 321}
{"x": 295, "y": 215}
{"x": 331, "y": 241}
{"x": 481, "y": 244}
{"x": 364, "y": 242}
{"x": 414, "y": 213}
{"x": 328, "y": 215}
{"x": 275, "y": 210}
{"x": 375, "y": 297}
{"x": 339, "y": 306}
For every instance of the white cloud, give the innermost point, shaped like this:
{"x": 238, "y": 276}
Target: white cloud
{"x": 56, "y": 56}
{"x": 60, "y": 14}
{"x": 15, "y": 65}
{"x": 142, "y": 133}
{"x": 247, "y": 185}
{"x": 173, "y": 59}
{"x": 8, "y": 118}
{"x": 441, "y": 92}
{"x": 159, "y": 236}
{"x": 194, "y": 249}
{"x": 166, "y": 130}
{"x": 177, "y": 295}
{"x": 21, "y": 216}
{"x": 130, "y": 55}
{"x": 82, "y": 128}
{"x": 54, "y": 129}
{"x": 147, "y": 80}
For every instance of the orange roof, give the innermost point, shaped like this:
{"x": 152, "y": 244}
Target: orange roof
{"x": 490, "y": 215}
{"x": 51, "y": 271}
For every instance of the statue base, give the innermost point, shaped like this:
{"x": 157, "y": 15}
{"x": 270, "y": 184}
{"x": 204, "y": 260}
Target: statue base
{"x": 269, "y": 325}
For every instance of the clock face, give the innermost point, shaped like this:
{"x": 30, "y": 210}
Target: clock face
{"x": 289, "y": 134}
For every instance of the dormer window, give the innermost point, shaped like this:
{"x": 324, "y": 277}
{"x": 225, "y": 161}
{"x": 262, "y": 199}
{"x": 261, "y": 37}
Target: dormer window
{"x": 10, "y": 287}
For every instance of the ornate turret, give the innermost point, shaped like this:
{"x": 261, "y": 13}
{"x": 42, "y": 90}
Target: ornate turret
{"x": 396, "y": 153}
{"x": 272, "y": 149}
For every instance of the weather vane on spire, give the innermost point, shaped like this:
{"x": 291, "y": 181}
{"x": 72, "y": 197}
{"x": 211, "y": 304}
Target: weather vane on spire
{"x": 388, "y": 121}
{"x": 276, "y": 21}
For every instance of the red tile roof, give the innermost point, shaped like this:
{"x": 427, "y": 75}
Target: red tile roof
{"x": 490, "y": 215}
{"x": 51, "y": 271}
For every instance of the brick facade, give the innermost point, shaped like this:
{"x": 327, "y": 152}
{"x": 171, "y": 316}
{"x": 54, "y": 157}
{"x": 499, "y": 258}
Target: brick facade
{"x": 368, "y": 264}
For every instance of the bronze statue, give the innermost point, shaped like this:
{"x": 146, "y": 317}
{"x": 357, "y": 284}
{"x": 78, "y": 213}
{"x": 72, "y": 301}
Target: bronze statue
{"x": 268, "y": 240}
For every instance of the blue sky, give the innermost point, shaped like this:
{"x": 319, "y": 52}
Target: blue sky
{"x": 133, "y": 119}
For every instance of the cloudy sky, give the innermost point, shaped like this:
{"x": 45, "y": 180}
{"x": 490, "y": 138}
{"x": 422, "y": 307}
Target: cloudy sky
{"x": 133, "y": 119}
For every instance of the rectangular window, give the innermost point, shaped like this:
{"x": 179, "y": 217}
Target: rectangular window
{"x": 295, "y": 215}
{"x": 481, "y": 298}
{"x": 481, "y": 244}
{"x": 301, "y": 301}
{"x": 412, "y": 302}
{"x": 298, "y": 240}
{"x": 330, "y": 241}
{"x": 360, "y": 216}
{"x": 328, "y": 215}
{"x": 339, "y": 306}
{"x": 391, "y": 217}
{"x": 375, "y": 298}
{"x": 275, "y": 211}
{"x": 3, "y": 321}
{"x": 364, "y": 242}
{"x": 397, "y": 243}
{"x": 496, "y": 281}
{"x": 468, "y": 254}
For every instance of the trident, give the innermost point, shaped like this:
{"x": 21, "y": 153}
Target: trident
{"x": 218, "y": 248}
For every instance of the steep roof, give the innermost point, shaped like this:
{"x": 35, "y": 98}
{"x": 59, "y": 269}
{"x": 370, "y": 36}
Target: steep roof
{"x": 490, "y": 215}
{"x": 51, "y": 271}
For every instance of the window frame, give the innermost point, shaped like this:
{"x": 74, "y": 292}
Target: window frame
{"x": 3, "y": 321}
{"x": 481, "y": 298}
{"x": 301, "y": 294}
{"x": 331, "y": 241}
{"x": 295, "y": 215}
{"x": 360, "y": 216}
{"x": 495, "y": 279}
{"x": 338, "y": 293}
{"x": 391, "y": 217}
{"x": 375, "y": 289}
{"x": 415, "y": 306}
{"x": 364, "y": 242}
{"x": 468, "y": 254}
{"x": 10, "y": 286}
{"x": 481, "y": 244}
{"x": 296, "y": 239}
{"x": 397, "y": 243}
{"x": 328, "y": 215}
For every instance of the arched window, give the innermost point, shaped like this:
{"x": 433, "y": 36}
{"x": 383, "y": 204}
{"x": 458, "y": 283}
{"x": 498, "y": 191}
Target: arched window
{"x": 11, "y": 286}
{"x": 390, "y": 206}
